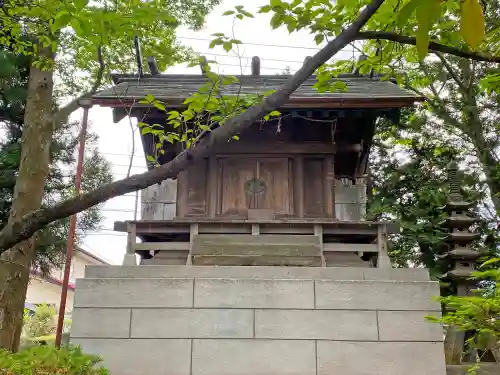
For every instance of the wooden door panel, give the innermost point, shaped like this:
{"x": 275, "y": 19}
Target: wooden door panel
{"x": 276, "y": 175}
{"x": 235, "y": 173}
{"x": 314, "y": 205}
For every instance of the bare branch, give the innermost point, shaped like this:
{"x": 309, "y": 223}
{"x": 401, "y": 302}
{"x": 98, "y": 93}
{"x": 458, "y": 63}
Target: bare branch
{"x": 29, "y": 224}
{"x": 433, "y": 46}
{"x": 62, "y": 114}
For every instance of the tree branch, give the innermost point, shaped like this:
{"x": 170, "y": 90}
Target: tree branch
{"x": 62, "y": 114}
{"x": 433, "y": 46}
{"x": 29, "y": 224}
{"x": 452, "y": 73}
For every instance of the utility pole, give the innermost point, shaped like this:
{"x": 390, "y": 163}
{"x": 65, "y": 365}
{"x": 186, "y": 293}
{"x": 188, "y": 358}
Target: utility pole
{"x": 86, "y": 104}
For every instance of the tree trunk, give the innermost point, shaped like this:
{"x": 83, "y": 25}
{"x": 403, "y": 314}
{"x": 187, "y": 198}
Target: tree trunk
{"x": 15, "y": 263}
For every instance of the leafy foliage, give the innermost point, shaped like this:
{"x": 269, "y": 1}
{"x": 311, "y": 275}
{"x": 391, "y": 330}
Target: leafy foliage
{"x": 39, "y": 327}
{"x": 409, "y": 183}
{"x": 44, "y": 360}
{"x": 325, "y": 19}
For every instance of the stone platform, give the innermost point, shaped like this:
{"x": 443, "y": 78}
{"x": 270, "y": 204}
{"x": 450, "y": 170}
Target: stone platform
{"x": 202, "y": 320}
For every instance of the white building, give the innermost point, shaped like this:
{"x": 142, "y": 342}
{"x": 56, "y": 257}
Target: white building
{"x": 47, "y": 289}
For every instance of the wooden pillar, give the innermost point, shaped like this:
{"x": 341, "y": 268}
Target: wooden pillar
{"x": 318, "y": 231}
{"x": 299, "y": 186}
{"x": 329, "y": 177}
{"x": 212, "y": 197}
{"x": 193, "y": 231}
{"x": 383, "y": 260}
{"x": 129, "y": 259}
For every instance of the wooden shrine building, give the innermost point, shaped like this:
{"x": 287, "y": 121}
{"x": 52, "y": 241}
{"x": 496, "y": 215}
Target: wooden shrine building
{"x": 288, "y": 192}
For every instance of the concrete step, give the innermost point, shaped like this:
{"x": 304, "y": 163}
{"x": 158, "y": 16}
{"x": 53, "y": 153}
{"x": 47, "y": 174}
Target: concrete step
{"x": 256, "y": 260}
{"x": 248, "y": 245}
{"x": 249, "y": 272}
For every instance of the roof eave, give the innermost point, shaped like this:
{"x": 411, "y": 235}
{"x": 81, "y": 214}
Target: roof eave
{"x": 318, "y": 102}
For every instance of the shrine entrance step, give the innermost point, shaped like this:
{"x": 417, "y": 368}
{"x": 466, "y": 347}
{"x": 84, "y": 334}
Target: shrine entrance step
{"x": 256, "y": 250}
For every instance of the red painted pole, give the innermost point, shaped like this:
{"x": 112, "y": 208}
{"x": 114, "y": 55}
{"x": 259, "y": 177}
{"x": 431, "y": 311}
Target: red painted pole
{"x": 72, "y": 224}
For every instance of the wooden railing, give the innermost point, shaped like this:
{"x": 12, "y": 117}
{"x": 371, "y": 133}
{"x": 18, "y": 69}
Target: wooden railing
{"x": 336, "y": 238}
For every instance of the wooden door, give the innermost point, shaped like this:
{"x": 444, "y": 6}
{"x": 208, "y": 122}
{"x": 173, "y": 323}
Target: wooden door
{"x": 275, "y": 172}
{"x": 235, "y": 173}
{"x": 260, "y": 183}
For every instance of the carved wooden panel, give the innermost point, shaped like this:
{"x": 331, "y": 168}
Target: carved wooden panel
{"x": 314, "y": 203}
{"x": 255, "y": 183}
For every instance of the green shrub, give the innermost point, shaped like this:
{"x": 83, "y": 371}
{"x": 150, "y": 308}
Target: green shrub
{"x": 47, "y": 360}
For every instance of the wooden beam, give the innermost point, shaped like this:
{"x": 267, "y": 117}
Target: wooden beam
{"x": 129, "y": 259}
{"x": 243, "y": 148}
{"x": 383, "y": 260}
{"x": 162, "y": 246}
{"x": 350, "y": 247}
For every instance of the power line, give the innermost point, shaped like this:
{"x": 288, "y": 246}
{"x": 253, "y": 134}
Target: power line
{"x": 248, "y": 58}
{"x": 117, "y": 154}
{"x": 255, "y": 44}
{"x": 262, "y": 67}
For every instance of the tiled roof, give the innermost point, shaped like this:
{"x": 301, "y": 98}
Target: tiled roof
{"x": 51, "y": 279}
{"x": 175, "y": 88}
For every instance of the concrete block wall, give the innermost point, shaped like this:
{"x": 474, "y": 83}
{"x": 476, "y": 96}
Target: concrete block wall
{"x": 228, "y": 321}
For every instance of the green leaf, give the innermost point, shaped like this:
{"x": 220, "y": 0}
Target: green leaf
{"x": 150, "y": 98}
{"x": 227, "y": 46}
{"x": 265, "y": 9}
{"x": 228, "y": 12}
{"x": 247, "y": 14}
{"x": 276, "y": 3}
{"x": 276, "y": 21}
{"x": 173, "y": 115}
{"x": 159, "y": 105}
{"x": 150, "y": 158}
{"x": 77, "y": 26}
{"x": 472, "y": 23}
{"x": 319, "y": 38}
{"x": 205, "y": 128}
{"x": 424, "y": 26}
{"x": 291, "y": 25}
{"x": 490, "y": 261}
{"x": 187, "y": 115}
{"x": 218, "y": 34}
{"x": 62, "y": 20}
{"x": 80, "y": 4}
{"x": 406, "y": 12}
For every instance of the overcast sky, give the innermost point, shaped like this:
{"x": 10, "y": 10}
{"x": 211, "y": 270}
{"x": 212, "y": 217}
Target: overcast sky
{"x": 277, "y": 50}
